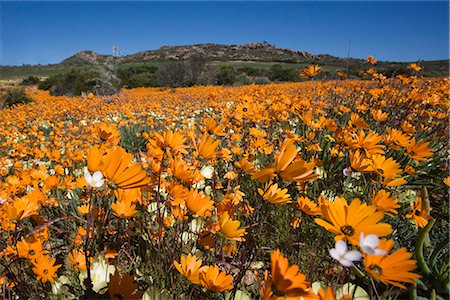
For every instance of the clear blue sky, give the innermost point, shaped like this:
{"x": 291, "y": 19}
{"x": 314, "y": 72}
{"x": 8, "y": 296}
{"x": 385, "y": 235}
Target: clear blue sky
{"x": 47, "y": 32}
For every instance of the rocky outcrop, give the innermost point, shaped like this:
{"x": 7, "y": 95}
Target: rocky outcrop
{"x": 247, "y": 52}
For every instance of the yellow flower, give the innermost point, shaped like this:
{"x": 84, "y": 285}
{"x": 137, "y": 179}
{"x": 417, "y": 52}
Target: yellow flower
{"x": 286, "y": 278}
{"x": 123, "y": 209}
{"x": 190, "y": 267}
{"x": 395, "y": 268}
{"x": 310, "y": 71}
{"x": 119, "y": 169}
{"x": 212, "y": 279}
{"x": 383, "y": 201}
{"x": 275, "y": 195}
{"x": 229, "y": 228}
{"x": 348, "y": 221}
{"x": 414, "y": 67}
{"x": 45, "y": 268}
{"x": 22, "y": 208}
{"x": 371, "y": 60}
{"x": 307, "y": 206}
{"x": 199, "y": 204}
{"x": 419, "y": 215}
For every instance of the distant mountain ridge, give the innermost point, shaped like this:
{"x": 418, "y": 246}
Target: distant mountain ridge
{"x": 263, "y": 55}
{"x": 261, "y": 52}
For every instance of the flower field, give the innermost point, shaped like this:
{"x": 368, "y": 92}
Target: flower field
{"x": 310, "y": 190}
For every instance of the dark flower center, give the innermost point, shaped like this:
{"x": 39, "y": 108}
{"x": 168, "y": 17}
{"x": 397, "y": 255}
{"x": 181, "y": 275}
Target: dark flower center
{"x": 377, "y": 269}
{"x": 32, "y": 252}
{"x": 244, "y": 109}
{"x": 45, "y": 271}
{"x": 347, "y": 230}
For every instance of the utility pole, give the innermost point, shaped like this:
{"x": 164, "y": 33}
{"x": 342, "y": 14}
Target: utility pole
{"x": 115, "y": 50}
{"x": 348, "y": 55}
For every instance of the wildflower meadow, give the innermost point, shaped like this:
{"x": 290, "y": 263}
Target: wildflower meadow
{"x": 308, "y": 190}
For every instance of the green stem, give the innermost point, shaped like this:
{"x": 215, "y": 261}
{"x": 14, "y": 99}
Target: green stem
{"x": 413, "y": 292}
{"x": 419, "y": 248}
{"x": 358, "y": 272}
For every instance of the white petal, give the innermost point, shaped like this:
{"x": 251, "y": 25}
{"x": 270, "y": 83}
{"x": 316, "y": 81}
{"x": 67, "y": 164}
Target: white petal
{"x": 334, "y": 254}
{"x": 97, "y": 176}
{"x": 99, "y": 183}
{"x": 361, "y": 239}
{"x": 371, "y": 240}
{"x": 353, "y": 255}
{"x": 346, "y": 263}
{"x": 341, "y": 247}
{"x": 87, "y": 176}
{"x": 380, "y": 252}
{"x": 368, "y": 250}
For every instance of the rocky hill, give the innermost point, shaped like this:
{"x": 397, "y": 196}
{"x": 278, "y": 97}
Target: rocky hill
{"x": 262, "y": 52}
{"x": 263, "y": 55}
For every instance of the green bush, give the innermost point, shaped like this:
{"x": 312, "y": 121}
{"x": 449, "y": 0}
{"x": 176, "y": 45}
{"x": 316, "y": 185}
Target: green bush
{"x": 47, "y": 84}
{"x": 137, "y": 76}
{"x": 140, "y": 80}
{"x": 30, "y": 80}
{"x": 243, "y": 79}
{"x": 278, "y": 73}
{"x": 69, "y": 84}
{"x": 226, "y": 75}
{"x": 13, "y": 97}
{"x": 73, "y": 83}
{"x": 253, "y": 71}
{"x": 262, "y": 80}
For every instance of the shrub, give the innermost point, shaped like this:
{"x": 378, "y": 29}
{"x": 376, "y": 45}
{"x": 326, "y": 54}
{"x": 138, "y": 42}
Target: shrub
{"x": 14, "y": 97}
{"x": 73, "y": 83}
{"x": 137, "y": 76}
{"x": 262, "y": 80}
{"x": 278, "y": 73}
{"x": 252, "y": 71}
{"x": 30, "y": 80}
{"x": 173, "y": 74}
{"x": 243, "y": 79}
{"x": 47, "y": 84}
{"x": 140, "y": 80}
{"x": 226, "y": 75}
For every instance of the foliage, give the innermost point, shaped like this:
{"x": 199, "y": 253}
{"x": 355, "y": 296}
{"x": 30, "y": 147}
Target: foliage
{"x": 137, "y": 76}
{"x": 262, "y": 80}
{"x": 243, "y": 79}
{"x": 226, "y": 76}
{"x": 30, "y": 80}
{"x": 69, "y": 84}
{"x": 11, "y": 97}
{"x": 182, "y": 73}
{"x": 278, "y": 73}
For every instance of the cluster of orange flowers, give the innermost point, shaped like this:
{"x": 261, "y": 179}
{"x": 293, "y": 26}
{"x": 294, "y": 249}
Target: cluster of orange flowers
{"x": 76, "y": 184}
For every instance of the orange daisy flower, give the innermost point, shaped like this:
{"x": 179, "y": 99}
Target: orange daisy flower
{"x": 348, "y": 221}
{"x": 383, "y": 202}
{"x": 286, "y": 279}
{"x": 275, "y": 195}
{"x": 419, "y": 215}
{"x": 212, "y": 279}
{"x": 121, "y": 172}
{"x": 190, "y": 267}
{"x": 123, "y": 209}
{"x": 230, "y": 228}
{"x": 45, "y": 268}
{"x": 199, "y": 204}
{"x": 419, "y": 151}
{"x": 395, "y": 268}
